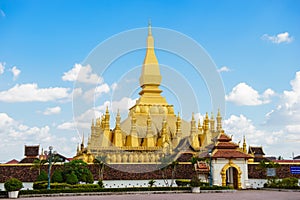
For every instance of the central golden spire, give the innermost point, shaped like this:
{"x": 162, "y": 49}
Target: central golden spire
{"x": 150, "y": 71}
{"x": 150, "y": 96}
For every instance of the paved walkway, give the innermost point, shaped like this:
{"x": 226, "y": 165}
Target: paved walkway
{"x": 239, "y": 195}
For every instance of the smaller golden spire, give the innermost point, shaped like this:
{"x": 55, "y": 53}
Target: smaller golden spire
{"x": 219, "y": 121}
{"x": 78, "y": 148}
{"x": 212, "y": 122}
{"x": 82, "y": 138}
{"x": 193, "y": 124}
{"x": 244, "y": 145}
{"x": 206, "y": 122}
{"x": 178, "y": 125}
{"x": 118, "y": 120}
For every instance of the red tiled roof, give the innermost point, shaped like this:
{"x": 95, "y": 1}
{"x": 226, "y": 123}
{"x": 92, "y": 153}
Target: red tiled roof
{"x": 14, "y": 161}
{"x": 226, "y": 145}
{"x": 229, "y": 153}
{"x": 224, "y": 138}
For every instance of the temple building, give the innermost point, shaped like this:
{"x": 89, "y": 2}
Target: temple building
{"x": 152, "y": 130}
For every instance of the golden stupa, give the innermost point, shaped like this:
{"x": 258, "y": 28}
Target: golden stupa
{"x": 152, "y": 130}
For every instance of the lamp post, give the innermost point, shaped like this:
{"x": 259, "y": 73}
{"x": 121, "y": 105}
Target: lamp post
{"x": 49, "y": 155}
{"x": 210, "y": 169}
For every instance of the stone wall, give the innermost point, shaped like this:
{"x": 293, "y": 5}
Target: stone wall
{"x": 282, "y": 172}
{"x": 25, "y": 173}
{"x": 112, "y": 172}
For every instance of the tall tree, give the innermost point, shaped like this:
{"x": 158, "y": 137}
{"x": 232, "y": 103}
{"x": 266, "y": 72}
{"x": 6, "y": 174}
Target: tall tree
{"x": 100, "y": 163}
{"x": 165, "y": 164}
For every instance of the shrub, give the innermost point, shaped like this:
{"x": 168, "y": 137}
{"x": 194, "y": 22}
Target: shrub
{"x": 71, "y": 179}
{"x": 151, "y": 183}
{"x": 57, "y": 177}
{"x": 86, "y": 186}
{"x": 195, "y": 182}
{"x": 43, "y": 176}
{"x": 100, "y": 183}
{"x": 289, "y": 182}
{"x": 60, "y": 186}
{"x": 182, "y": 182}
{"x": 13, "y": 184}
{"x": 39, "y": 185}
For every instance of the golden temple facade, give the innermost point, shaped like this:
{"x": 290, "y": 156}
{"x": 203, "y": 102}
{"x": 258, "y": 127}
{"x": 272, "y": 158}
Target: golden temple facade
{"x": 152, "y": 129}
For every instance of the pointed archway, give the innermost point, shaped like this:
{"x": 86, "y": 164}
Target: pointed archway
{"x": 231, "y": 172}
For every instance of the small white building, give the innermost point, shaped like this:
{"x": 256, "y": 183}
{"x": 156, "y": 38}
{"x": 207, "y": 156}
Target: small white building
{"x": 229, "y": 163}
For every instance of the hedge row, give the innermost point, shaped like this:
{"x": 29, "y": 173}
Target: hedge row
{"x": 186, "y": 182}
{"x": 79, "y": 190}
{"x": 43, "y": 185}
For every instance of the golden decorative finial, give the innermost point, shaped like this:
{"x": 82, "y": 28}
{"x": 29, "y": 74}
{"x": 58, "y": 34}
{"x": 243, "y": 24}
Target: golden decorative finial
{"x": 118, "y": 120}
{"x": 206, "y": 115}
{"x": 149, "y": 27}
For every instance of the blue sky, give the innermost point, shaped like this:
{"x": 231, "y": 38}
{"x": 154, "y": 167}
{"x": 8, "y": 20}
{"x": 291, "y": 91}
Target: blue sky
{"x": 255, "y": 43}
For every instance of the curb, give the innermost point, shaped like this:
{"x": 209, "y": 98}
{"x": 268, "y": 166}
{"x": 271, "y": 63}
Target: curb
{"x": 281, "y": 190}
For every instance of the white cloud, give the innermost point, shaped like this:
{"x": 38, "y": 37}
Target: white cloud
{"x": 275, "y": 142}
{"x": 31, "y": 92}
{"x": 224, "y": 69}
{"x": 15, "y": 135}
{"x": 279, "y": 38}
{"x": 94, "y": 93}
{"x": 67, "y": 126}
{"x": 52, "y": 111}
{"x": 77, "y": 92}
{"x": 2, "y": 67}
{"x": 114, "y": 86}
{"x": 16, "y": 72}
{"x": 287, "y": 113}
{"x": 82, "y": 74}
{"x": 239, "y": 126}
{"x": 123, "y": 105}
{"x": 243, "y": 94}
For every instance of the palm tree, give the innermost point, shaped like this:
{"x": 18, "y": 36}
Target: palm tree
{"x": 166, "y": 163}
{"x": 173, "y": 166}
{"x": 100, "y": 162}
{"x": 37, "y": 164}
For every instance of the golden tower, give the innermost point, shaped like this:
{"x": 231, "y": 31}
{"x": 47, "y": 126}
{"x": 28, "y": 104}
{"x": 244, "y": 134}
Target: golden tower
{"x": 151, "y": 129}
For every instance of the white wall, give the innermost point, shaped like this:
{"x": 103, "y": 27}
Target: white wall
{"x": 218, "y": 164}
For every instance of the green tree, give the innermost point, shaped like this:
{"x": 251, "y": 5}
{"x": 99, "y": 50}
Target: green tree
{"x": 80, "y": 169}
{"x": 71, "y": 179}
{"x": 100, "y": 163}
{"x": 57, "y": 176}
{"x": 43, "y": 176}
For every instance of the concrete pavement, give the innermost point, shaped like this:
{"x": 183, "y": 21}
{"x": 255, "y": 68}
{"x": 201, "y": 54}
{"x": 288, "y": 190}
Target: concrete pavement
{"x": 238, "y": 195}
